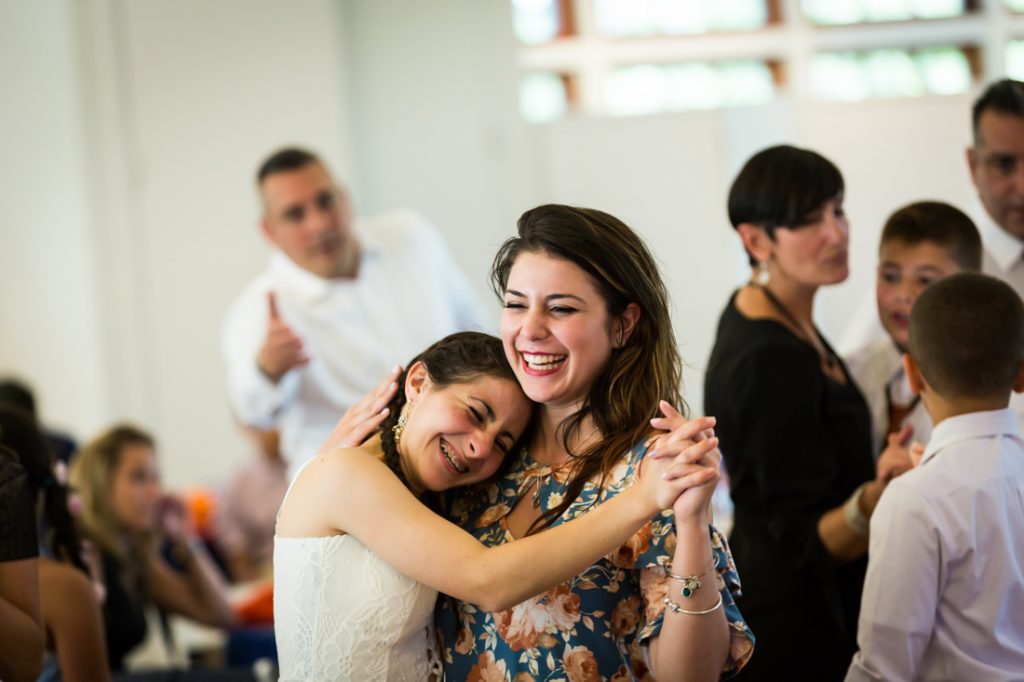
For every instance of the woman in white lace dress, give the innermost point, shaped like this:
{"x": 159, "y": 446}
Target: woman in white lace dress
{"x": 360, "y": 552}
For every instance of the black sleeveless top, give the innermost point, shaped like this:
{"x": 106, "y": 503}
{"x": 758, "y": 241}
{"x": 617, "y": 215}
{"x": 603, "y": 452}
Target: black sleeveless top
{"x": 18, "y": 536}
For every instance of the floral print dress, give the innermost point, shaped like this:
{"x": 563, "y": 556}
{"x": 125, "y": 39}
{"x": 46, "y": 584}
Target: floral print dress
{"x": 593, "y": 627}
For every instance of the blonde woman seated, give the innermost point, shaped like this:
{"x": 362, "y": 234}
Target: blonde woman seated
{"x": 361, "y": 554}
{"x": 127, "y": 515}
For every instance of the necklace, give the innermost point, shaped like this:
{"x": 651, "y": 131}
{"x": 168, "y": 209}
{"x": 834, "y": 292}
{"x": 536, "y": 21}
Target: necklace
{"x": 828, "y": 359}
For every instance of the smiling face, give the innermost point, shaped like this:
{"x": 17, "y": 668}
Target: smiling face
{"x": 556, "y": 329}
{"x": 458, "y": 434}
{"x": 308, "y": 217}
{"x": 997, "y": 169}
{"x": 135, "y": 488}
{"x": 814, "y": 254}
{"x": 904, "y": 271}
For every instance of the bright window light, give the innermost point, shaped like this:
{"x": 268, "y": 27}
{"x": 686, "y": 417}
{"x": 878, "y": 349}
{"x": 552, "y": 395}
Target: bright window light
{"x": 647, "y": 18}
{"x": 658, "y": 88}
{"x": 1015, "y": 60}
{"x": 536, "y": 21}
{"x": 542, "y": 98}
{"x": 842, "y": 12}
{"x": 854, "y": 76}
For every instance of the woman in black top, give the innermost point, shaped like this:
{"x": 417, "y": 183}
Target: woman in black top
{"x": 795, "y": 431}
{"x": 127, "y": 516}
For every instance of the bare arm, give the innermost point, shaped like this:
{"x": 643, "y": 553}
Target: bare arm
{"x": 199, "y": 593}
{"x": 688, "y": 646}
{"x": 839, "y": 538}
{"x": 22, "y": 639}
{"x": 73, "y": 621}
{"x": 378, "y": 510}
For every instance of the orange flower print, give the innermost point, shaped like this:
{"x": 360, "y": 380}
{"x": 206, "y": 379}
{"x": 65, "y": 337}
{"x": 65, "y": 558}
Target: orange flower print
{"x": 626, "y": 555}
{"x": 626, "y": 616}
{"x": 580, "y": 665}
{"x": 564, "y": 606}
{"x": 654, "y": 586}
{"x": 488, "y": 670}
{"x": 464, "y": 641}
{"x": 523, "y": 677}
{"x": 492, "y": 514}
{"x": 523, "y": 625}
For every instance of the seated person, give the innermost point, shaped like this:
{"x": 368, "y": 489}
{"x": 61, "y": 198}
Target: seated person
{"x": 944, "y": 597}
{"x": 248, "y": 511}
{"x": 21, "y": 621}
{"x": 75, "y": 651}
{"x": 17, "y": 394}
{"x": 920, "y": 243}
{"x": 126, "y": 515}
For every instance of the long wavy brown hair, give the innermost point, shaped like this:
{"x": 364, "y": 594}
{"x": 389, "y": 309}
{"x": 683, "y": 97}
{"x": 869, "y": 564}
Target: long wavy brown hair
{"x": 91, "y": 475}
{"x": 624, "y": 396}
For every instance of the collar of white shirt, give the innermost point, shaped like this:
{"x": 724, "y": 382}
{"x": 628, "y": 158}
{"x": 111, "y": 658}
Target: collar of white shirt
{"x": 971, "y": 425}
{"x": 311, "y": 287}
{"x": 1004, "y": 249}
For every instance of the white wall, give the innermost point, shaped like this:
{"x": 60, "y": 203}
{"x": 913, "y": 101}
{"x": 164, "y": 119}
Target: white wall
{"x": 131, "y": 129}
{"x": 131, "y": 132}
{"x": 50, "y": 335}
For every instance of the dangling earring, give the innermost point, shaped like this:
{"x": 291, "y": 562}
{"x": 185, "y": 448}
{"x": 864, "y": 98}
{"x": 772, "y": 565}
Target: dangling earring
{"x": 761, "y": 274}
{"x": 399, "y": 427}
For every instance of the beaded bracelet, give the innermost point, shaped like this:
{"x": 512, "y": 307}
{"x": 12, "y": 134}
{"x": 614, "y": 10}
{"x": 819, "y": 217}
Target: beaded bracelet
{"x": 679, "y": 609}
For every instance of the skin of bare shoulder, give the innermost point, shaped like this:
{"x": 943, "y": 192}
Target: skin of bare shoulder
{"x": 74, "y": 625}
{"x": 328, "y": 487}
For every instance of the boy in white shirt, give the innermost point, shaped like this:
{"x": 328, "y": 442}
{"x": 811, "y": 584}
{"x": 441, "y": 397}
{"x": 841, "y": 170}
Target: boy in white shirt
{"x": 920, "y": 243}
{"x": 944, "y": 594}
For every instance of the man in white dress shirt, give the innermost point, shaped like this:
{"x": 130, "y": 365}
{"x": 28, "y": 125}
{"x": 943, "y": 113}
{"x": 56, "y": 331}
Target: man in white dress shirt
{"x": 944, "y": 593}
{"x": 340, "y": 304}
{"x": 996, "y": 160}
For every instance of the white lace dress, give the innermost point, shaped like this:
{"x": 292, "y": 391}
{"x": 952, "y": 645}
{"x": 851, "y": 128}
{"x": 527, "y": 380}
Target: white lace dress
{"x": 342, "y": 613}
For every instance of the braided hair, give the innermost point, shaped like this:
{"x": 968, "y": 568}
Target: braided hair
{"x": 457, "y": 358}
{"x": 20, "y": 434}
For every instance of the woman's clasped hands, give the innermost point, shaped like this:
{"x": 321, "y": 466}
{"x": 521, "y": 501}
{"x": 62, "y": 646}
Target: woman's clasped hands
{"x": 683, "y": 464}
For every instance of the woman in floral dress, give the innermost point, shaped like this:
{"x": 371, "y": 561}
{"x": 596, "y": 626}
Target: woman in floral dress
{"x": 586, "y": 329}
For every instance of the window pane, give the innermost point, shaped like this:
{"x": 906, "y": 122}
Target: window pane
{"x": 646, "y": 18}
{"x": 651, "y": 89}
{"x": 536, "y": 21}
{"x": 542, "y": 98}
{"x": 852, "y": 76}
{"x": 1015, "y": 60}
{"x": 1014, "y": 5}
{"x": 946, "y": 71}
{"x": 838, "y": 12}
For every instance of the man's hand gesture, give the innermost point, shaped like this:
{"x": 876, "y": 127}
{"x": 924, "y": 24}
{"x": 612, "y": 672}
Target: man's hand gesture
{"x": 282, "y": 349}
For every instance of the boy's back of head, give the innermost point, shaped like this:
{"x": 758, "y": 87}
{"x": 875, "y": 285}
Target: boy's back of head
{"x": 937, "y": 223}
{"x": 967, "y": 337}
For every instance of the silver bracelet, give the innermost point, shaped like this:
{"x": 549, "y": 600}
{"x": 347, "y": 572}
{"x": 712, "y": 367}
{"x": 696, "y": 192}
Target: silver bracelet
{"x": 691, "y": 583}
{"x": 855, "y": 517}
{"x": 679, "y": 609}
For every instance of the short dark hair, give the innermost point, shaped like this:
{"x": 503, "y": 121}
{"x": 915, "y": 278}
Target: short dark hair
{"x": 1005, "y": 97}
{"x": 17, "y": 394}
{"x": 782, "y": 186}
{"x": 938, "y": 223}
{"x": 967, "y": 336}
{"x": 284, "y": 160}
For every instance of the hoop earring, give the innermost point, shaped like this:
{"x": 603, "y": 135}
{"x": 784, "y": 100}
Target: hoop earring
{"x": 761, "y": 274}
{"x": 399, "y": 427}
